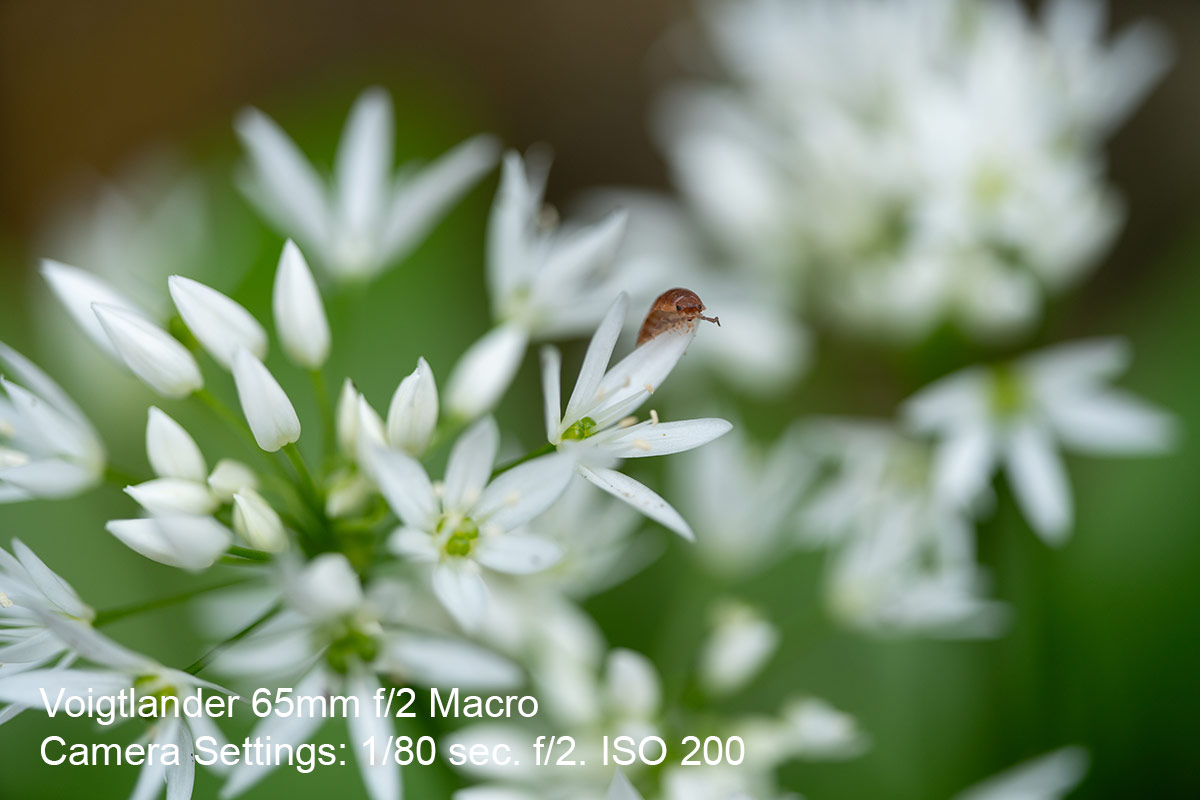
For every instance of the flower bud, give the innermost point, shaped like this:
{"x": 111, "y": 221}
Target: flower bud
{"x": 299, "y": 314}
{"x": 412, "y": 415}
{"x": 173, "y": 496}
{"x": 151, "y": 353}
{"x": 268, "y": 410}
{"x": 346, "y": 420}
{"x": 484, "y": 372}
{"x": 257, "y": 523}
{"x": 172, "y": 451}
{"x": 230, "y": 477}
{"x": 370, "y": 432}
{"x": 219, "y": 323}
{"x": 77, "y": 290}
{"x": 192, "y": 543}
{"x": 325, "y": 588}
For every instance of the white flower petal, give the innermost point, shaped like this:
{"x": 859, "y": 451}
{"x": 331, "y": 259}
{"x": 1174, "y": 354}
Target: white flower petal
{"x": 963, "y": 465}
{"x": 599, "y": 351}
{"x": 49, "y": 478}
{"x": 326, "y": 588}
{"x": 628, "y": 490}
{"x": 519, "y": 494}
{"x": 257, "y": 523}
{"x": 664, "y": 438}
{"x": 152, "y": 354}
{"x": 484, "y": 372}
{"x": 362, "y": 168}
{"x": 48, "y": 582}
{"x": 517, "y": 553}
{"x": 442, "y": 661}
{"x": 647, "y": 366}
{"x": 220, "y": 323}
{"x": 173, "y": 496}
{"x": 299, "y": 313}
{"x": 230, "y": 477}
{"x": 415, "y": 544}
{"x": 461, "y": 591}
{"x": 632, "y": 683}
{"x": 191, "y": 543}
{"x": 24, "y": 688}
{"x": 382, "y": 778}
{"x": 413, "y": 412}
{"x": 1049, "y": 777}
{"x": 77, "y": 290}
{"x": 1112, "y": 422}
{"x": 551, "y": 390}
{"x": 1039, "y": 482}
{"x": 265, "y": 405}
{"x": 470, "y": 465}
{"x": 33, "y": 378}
{"x": 406, "y": 487}
{"x": 421, "y": 199}
{"x": 621, "y": 788}
{"x": 180, "y": 777}
{"x": 173, "y": 453}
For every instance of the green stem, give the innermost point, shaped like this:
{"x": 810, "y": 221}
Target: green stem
{"x": 306, "y": 480}
{"x": 227, "y": 415}
{"x": 248, "y": 553}
{"x": 545, "y": 449}
{"x": 328, "y": 425}
{"x": 207, "y": 658}
{"x": 109, "y": 615}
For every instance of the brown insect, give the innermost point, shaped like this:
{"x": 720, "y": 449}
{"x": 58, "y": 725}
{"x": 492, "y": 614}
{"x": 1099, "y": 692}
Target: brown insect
{"x": 673, "y": 310}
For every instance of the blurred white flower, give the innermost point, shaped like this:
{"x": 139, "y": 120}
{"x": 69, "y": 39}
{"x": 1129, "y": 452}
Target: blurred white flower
{"x": 77, "y": 289}
{"x": 267, "y": 409}
{"x": 1049, "y": 777}
{"x": 955, "y": 173}
{"x": 741, "y": 641}
{"x": 903, "y": 555}
{"x": 172, "y": 452}
{"x": 27, "y": 586}
{"x": 593, "y": 429}
{"x": 367, "y": 217}
{"x": 219, "y": 323}
{"x": 178, "y": 540}
{"x": 150, "y": 353}
{"x": 230, "y": 477}
{"x": 743, "y": 497}
{"x": 121, "y": 669}
{"x": 299, "y": 313}
{"x": 413, "y": 413}
{"x": 1017, "y": 415}
{"x": 257, "y": 523}
{"x": 48, "y": 448}
{"x": 622, "y": 789}
{"x": 471, "y": 521}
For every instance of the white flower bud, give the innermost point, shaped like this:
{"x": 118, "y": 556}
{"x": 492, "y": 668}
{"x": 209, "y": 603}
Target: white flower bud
{"x": 740, "y": 644}
{"x": 326, "y": 588}
{"x": 347, "y": 493}
{"x": 257, "y": 523}
{"x": 412, "y": 415}
{"x": 370, "y": 432}
{"x": 219, "y": 323}
{"x": 347, "y": 418}
{"x": 268, "y": 410}
{"x": 173, "y": 496}
{"x": 172, "y": 451}
{"x": 230, "y": 477}
{"x": 151, "y": 353}
{"x": 77, "y": 290}
{"x": 299, "y": 314}
{"x": 192, "y": 543}
{"x": 484, "y": 372}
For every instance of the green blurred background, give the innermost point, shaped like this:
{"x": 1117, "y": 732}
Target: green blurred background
{"x": 1105, "y": 649}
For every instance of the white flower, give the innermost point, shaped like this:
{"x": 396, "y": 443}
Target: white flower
{"x": 1048, "y": 777}
{"x": 1017, "y": 415}
{"x": 121, "y": 669}
{"x": 471, "y": 521}
{"x": 413, "y": 413}
{"x": 218, "y": 322}
{"x": 152, "y": 354}
{"x": 177, "y": 540}
{"x": 622, "y": 789}
{"x": 299, "y": 314}
{"x": 590, "y": 430}
{"x": 367, "y": 218}
{"x": 740, "y": 643}
{"x": 27, "y": 586}
{"x": 742, "y": 498}
{"x": 266, "y": 406}
{"x": 543, "y": 283}
{"x": 173, "y": 496}
{"x": 257, "y": 523}
{"x": 47, "y": 446}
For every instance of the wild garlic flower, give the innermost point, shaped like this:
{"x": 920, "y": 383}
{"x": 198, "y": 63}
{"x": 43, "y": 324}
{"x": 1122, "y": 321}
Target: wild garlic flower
{"x": 367, "y": 217}
{"x": 1017, "y": 415}
{"x": 595, "y": 430}
{"x": 48, "y": 448}
{"x": 119, "y": 669}
{"x": 903, "y": 555}
{"x": 544, "y": 281}
{"x": 158, "y": 359}
{"x": 473, "y": 519}
{"x": 29, "y": 588}
{"x": 739, "y": 644}
{"x": 954, "y": 174}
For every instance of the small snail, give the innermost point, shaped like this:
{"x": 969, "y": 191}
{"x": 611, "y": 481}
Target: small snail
{"x": 672, "y": 310}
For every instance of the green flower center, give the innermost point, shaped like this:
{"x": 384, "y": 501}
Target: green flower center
{"x": 581, "y": 429}
{"x": 1008, "y": 392}
{"x": 352, "y": 645}
{"x": 462, "y": 540}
